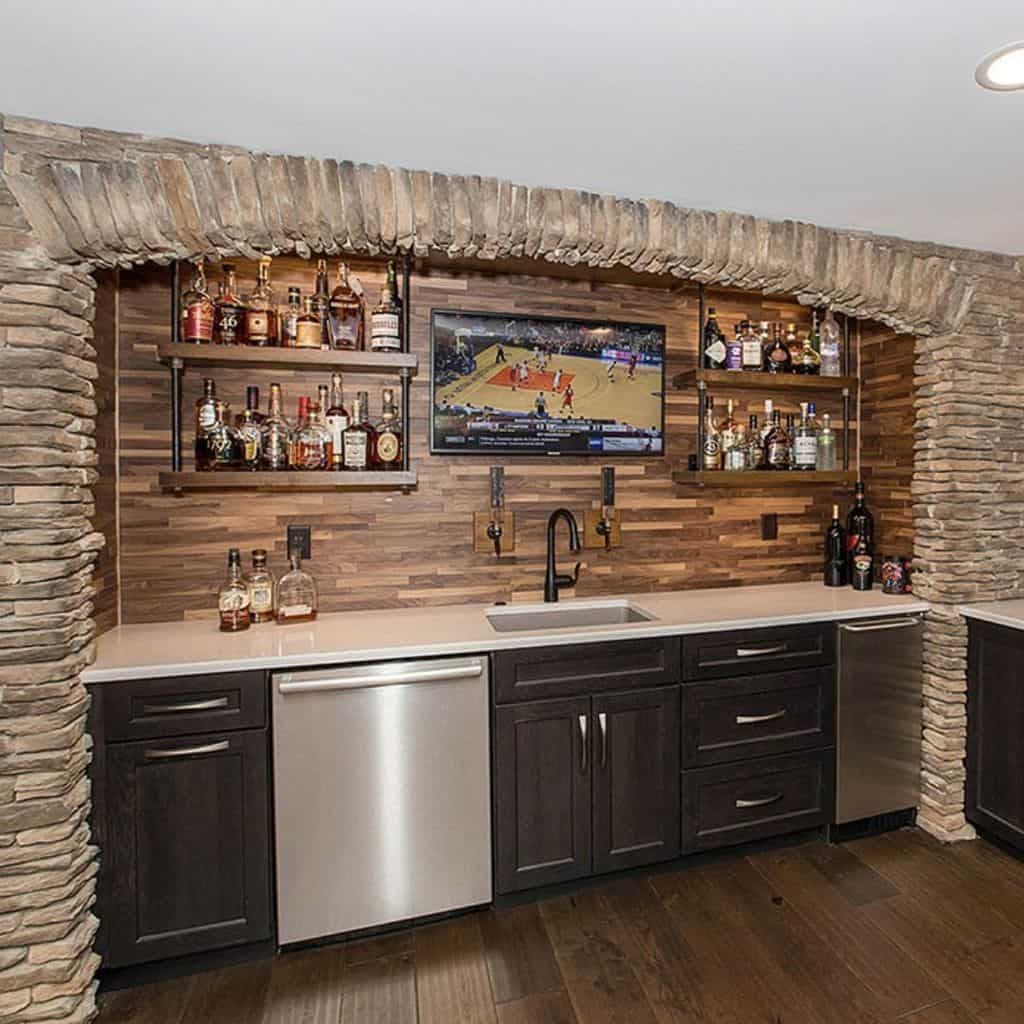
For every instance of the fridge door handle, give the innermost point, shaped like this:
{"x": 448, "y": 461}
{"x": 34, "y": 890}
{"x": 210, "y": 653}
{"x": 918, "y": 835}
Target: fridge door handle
{"x": 875, "y": 627}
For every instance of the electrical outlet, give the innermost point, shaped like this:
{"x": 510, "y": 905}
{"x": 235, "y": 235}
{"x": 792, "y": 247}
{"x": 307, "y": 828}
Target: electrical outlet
{"x": 300, "y": 540}
{"x": 769, "y": 526}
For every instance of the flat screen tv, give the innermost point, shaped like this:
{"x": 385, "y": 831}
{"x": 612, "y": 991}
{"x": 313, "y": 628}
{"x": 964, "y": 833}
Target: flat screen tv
{"x": 531, "y": 385}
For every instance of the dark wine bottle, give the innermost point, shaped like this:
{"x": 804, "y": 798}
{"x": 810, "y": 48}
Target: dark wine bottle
{"x": 713, "y": 343}
{"x": 835, "y": 552}
{"x": 860, "y": 525}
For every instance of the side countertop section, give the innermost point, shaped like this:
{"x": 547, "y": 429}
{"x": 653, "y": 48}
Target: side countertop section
{"x": 197, "y": 646}
{"x": 1002, "y": 613}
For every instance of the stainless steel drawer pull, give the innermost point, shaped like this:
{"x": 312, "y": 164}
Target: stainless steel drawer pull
{"x": 760, "y": 652}
{"x": 194, "y": 705}
{"x": 874, "y": 627}
{"x": 472, "y": 670}
{"x": 206, "y": 748}
{"x": 756, "y": 719}
{"x": 741, "y": 804}
{"x": 583, "y": 744}
{"x": 602, "y": 721}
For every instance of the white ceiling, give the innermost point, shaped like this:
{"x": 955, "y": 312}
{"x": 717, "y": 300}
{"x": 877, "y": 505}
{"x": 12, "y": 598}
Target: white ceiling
{"x": 852, "y": 114}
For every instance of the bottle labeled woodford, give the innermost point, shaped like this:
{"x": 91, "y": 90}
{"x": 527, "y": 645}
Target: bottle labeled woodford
{"x": 196, "y": 313}
{"x": 229, "y": 311}
{"x": 389, "y": 434}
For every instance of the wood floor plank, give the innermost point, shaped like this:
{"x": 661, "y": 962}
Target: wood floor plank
{"x": 948, "y": 1012}
{"x": 858, "y": 882}
{"x": 381, "y": 991}
{"x": 833, "y": 913}
{"x": 306, "y": 987}
{"x": 394, "y": 944}
{"x": 520, "y": 959}
{"x": 550, "y": 1008}
{"x": 452, "y": 985}
{"x": 235, "y": 995}
{"x": 160, "y": 1003}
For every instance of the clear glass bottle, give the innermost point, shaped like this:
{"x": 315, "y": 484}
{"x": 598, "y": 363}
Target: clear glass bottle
{"x": 260, "y": 581}
{"x": 713, "y": 343}
{"x": 727, "y": 429}
{"x": 831, "y": 346}
{"x": 386, "y": 318}
{"x": 196, "y": 310}
{"x": 301, "y": 419}
{"x": 288, "y": 319}
{"x": 777, "y": 357}
{"x": 735, "y": 457}
{"x": 766, "y": 426}
{"x": 229, "y": 311}
{"x": 358, "y": 440}
{"x": 219, "y": 446}
{"x": 321, "y": 301}
{"x": 827, "y": 459}
{"x": 805, "y": 443}
{"x": 275, "y": 434}
{"x": 755, "y": 445}
{"x": 753, "y": 353}
{"x": 250, "y": 434}
{"x": 345, "y": 314}
{"x": 206, "y": 407}
{"x": 261, "y": 309}
{"x": 388, "y": 442}
{"x": 313, "y": 441}
{"x": 337, "y": 421}
{"x": 233, "y": 599}
{"x": 777, "y": 445}
{"x": 296, "y": 594}
{"x": 712, "y": 454}
{"x": 309, "y": 331}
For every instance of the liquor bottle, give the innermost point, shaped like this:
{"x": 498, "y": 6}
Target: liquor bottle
{"x": 312, "y": 440}
{"x": 713, "y": 343}
{"x": 765, "y": 339}
{"x": 777, "y": 450}
{"x": 860, "y": 528}
{"x": 252, "y": 404}
{"x": 735, "y": 457}
{"x": 250, "y": 433}
{"x": 358, "y": 438}
{"x": 727, "y": 431}
{"x": 826, "y": 446}
{"x": 219, "y": 445}
{"x": 862, "y": 566}
{"x": 321, "y": 301}
{"x": 275, "y": 434}
{"x": 206, "y": 407}
{"x": 806, "y": 361}
{"x": 755, "y": 445}
{"x": 734, "y": 351}
{"x": 345, "y": 314}
{"x": 296, "y": 594}
{"x": 768, "y": 417}
{"x": 228, "y": 311}
{"x": 289, "y": 319}
{"x": 753, "y": 354}
{"x": 389, "y": 441}
{"x": 337, "y": 420}
{"x": 261, "y": 309}
{"x": 835, "y": 552}
{"x": 831, "y": 346}
{"x": 386, "y": 318}
{"x": 805, "y": 443}
{"x": 309, "y": 330}
{"x": 260, "y": 581}
{"x": 233, "y": 600}
{"x": 712, "y": 455}
{"x": 196, "y": 310}
{"x": 777, "y": 357}
{"x": 301, "y": 418}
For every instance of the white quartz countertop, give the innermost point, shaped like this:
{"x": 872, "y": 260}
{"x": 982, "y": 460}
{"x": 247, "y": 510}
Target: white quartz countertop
{"x": 1002, "y": 613}
{"x": 196, "y": 646}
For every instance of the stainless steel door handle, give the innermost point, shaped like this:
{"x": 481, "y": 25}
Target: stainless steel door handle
{"x": 358, "y": 682}
{"x": 874, "y": 627}
{"x": 583, "y": 744}
{"x": 205, "y": 748}
{"x": 602, "y": 721}
{"x": 756, "y": 719}
{"x": 760, "y": 652}
{"x": 741, "y": 804}
{"x": 195, "y": 705}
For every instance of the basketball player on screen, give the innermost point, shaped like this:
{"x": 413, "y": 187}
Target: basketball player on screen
{"x": 558, "y": 381}
{"x": 631, "y": 372}
{"x": 567, "y": 400}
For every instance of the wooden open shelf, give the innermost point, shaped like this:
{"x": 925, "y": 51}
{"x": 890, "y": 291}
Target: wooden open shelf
{"x": 273, "y": 358}
{"x": 758, "y": 478}
{"x": 285, "y": 480}
{"x": 740, "y": 380}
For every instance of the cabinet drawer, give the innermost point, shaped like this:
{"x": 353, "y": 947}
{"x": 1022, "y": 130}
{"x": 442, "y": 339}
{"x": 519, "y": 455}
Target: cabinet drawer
{"x": 735, "y": 719}
{"x": 183, "y": 705}
{"x": 585, "y": 668}
{"x": 757, "y": 799}
{"x": 750, "y": 651}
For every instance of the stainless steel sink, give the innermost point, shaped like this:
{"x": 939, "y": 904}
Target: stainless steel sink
{"x": 567, "y": 616}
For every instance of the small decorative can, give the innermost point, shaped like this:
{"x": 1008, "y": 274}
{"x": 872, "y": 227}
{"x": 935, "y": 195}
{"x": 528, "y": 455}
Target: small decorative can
{"x": 893, "y": 579}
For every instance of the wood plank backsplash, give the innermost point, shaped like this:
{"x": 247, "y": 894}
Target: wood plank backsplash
{"x": 384, "y": 549}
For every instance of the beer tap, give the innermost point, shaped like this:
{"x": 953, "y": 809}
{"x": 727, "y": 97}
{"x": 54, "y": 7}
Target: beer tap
{"x": 606, "y": 523}
{"x": 494, "y": 527}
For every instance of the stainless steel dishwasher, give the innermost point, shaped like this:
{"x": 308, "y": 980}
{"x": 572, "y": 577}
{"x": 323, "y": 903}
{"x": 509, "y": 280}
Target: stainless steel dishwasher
{"x": 381, "y": 794}
{"x": 878, "y": 741}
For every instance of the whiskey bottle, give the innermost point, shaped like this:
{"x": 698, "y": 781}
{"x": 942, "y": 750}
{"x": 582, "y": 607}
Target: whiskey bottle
{"x": 261, "y": 310}
{"x": 260, "y": 581}
{"x": 734, "y": 350}
{"x": 826, "y": 445}
{"x": 806, "y": 360}
{"x": 345, "y": 314}
{"x": 860, "y": 532}
{"x": 206, "y": 407}
{"x": 712, "y": 454}
{"x": 831, "y": 346}
{"x": 386, "y": 318}
{"x": 358, "y": 439}
{"x": 296, "y": 594}
{"x": 312, "y": 441}
{"x": 727, "y": 431}
{"x": 321, "y": 302}
{"x": 196, "y": 310}
{"x": 713, "y": 343}
{"x": 755, "y": 445}
{"x": 735, "y": 457}
{"x": 337, "y": 420}
{"x": 219, "y": 445}
{"x": 275, "y": 434}
{"x": 228, "y": 311}
{"x": 766, "y": 427}
{"x": 777, "y": 445}
{"x": 288, "y": 319}
{"x": 301, "y": 418}
{"x": 233, "y": 600}
{"x": 252, "y": 404}
{"x": 835, "y": 552}
{"x": 805, "y": 443}
{"x": 777, "y": 357}
{"x": 251, "y": 435}
{"x": 389, "y": 442}
{"x": 753, "y": 353}
{"x": 309, "y": 330}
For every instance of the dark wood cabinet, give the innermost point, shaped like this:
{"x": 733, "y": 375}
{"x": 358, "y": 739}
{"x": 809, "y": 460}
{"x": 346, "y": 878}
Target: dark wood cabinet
{"x": 636, "y": 778}
{"x": 995, "y": 731}
{"x": 753, "y": 651}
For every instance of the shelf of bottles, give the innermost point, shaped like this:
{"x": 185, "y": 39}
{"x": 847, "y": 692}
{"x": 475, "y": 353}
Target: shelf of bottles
{"x": 771, "y": 359}
{"x": 330, "y": 332}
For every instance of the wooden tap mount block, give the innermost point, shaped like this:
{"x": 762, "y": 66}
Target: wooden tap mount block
{"x": 482, "y": 544}
{"x": 591, "y": 538}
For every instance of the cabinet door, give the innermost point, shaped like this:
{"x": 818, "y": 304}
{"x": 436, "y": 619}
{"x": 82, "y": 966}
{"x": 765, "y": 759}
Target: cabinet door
{"x": 542, "y": 771}
{"x": 995, "y": 731}
{"x": 188, "y": 834}
{"x": 636, "y": 778}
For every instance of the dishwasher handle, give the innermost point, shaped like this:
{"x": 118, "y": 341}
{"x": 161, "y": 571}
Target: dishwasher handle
{"x": 448, "y": 673}
{"x": 874, "y": 627}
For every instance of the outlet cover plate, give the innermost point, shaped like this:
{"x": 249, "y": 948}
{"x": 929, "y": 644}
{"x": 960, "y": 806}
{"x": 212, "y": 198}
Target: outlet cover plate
{"x": 300, "y": 540}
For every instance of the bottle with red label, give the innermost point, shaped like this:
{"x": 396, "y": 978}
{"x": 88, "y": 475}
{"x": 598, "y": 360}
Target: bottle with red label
{"x": 196, "y": 311}
{"x": 860, "y": 540}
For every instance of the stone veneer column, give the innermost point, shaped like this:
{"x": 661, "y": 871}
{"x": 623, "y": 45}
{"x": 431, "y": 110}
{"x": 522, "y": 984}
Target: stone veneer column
{"x": 47, "y": 547}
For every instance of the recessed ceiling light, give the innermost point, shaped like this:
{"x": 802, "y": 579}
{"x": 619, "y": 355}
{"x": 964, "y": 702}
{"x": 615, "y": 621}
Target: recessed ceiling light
{"x": 1002, "y": 69}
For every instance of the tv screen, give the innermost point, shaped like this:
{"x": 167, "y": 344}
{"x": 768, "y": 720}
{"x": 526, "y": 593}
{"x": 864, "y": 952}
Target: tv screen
{"x": 528, "y": 385}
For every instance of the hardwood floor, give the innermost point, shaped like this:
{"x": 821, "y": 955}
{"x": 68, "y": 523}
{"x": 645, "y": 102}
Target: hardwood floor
{"x": 895, "y": 928}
